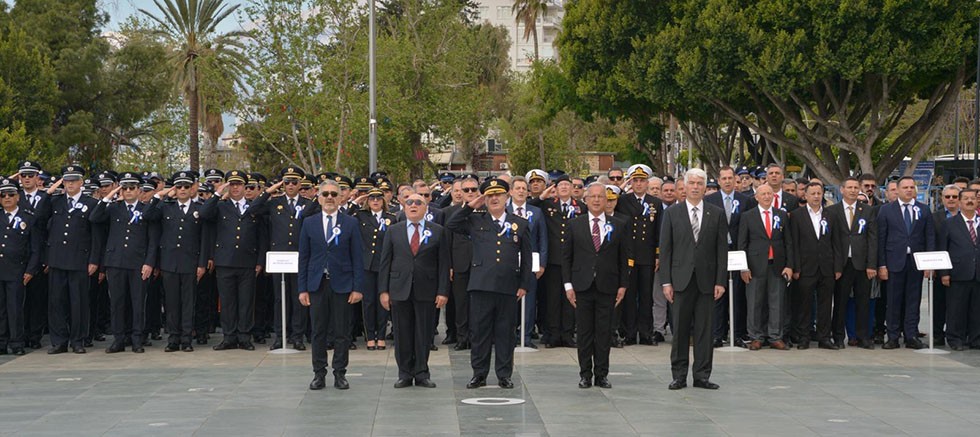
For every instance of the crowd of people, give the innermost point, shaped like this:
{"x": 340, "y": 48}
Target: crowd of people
{"x": 606, "y": 261}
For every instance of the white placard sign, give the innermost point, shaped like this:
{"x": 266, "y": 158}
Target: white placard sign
{"x": 737, "y": 261}
{"x": 535, "y": 262}
{"x": 282, "y": 262}
{"x": 932, "y": 260}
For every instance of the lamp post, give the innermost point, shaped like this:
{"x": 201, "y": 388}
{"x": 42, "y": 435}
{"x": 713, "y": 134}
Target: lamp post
{"x": 373, "y": 117}
{"x": 976, "y": 109}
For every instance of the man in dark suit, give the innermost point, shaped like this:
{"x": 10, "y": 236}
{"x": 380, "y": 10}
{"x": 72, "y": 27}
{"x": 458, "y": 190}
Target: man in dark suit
{"x": 183, "y": 259}
{"x": 74, "y": 251}
{"x": 129, "y": 259}
{"x": 462, "y": 254}
{"x": 763, "y": 233}
{"x": 733, "y": 202}
{"x": 780, "y": 200}
{"x": 817, "y": 258}
{"x": 413, "y": 279}
{"x": 857, "y": 235}
{"x": 950, "y": 208}
{"x": 519, "y": 206}
{"x": 36, "y": 300}
{"x": 331, "y": 270}
{"x": 904, "y": 227}
{"x": 643, "y": 211}
{"x": 959, "y": 238}
{"x": 694, "y": 255}
{"x": 500, "y": 275}
{"x": 236, "y": 256}
{"x": 595, "y": 269}
{"x": 20, "y": 260}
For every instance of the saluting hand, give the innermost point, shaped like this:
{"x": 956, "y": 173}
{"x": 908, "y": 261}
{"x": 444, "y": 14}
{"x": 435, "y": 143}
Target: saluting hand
{"x": 54, "y": 187}
{"x": 112, "y": 194}
{"x": 274, "y": 188}
{"x": 478, "y": 202}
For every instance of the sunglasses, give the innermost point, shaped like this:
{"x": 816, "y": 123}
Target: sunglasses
{"x": 615, "y": 178}
{"x": 329, "y": 194}
{"x": 182, "y": 186}
{"x": 375, "y": 197}
{"x": 251, "y": 187}
{"x": 470, "y": 190}
{"x": 414, "y": 202}
{"x": 428, "y": 195}
{"x": 130, "y": 188}
{"x": 7, "y": 195}
{"x": 578, "y": 186}
{"x": 28, "y": 175}
{"x": 951, "y": 197}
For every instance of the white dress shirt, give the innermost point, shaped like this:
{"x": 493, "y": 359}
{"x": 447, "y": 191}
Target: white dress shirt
{"x": 815, "y": 217}
{"x": 602, "y": 235}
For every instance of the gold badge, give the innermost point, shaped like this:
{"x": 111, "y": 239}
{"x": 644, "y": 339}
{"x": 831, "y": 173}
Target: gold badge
{"x": 279, "y": 207}
{"x": 387, "y": 222}
{"x": 629, "y": 262}
{"x": 514, "y": 227}
{"x": 23, "y": 226}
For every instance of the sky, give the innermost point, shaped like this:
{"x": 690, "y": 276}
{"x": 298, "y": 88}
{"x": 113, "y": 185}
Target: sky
{"x": 120, "y": 9}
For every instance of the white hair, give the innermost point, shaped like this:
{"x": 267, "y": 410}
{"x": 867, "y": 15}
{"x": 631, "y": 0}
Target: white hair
{"x": 695, "y": 172}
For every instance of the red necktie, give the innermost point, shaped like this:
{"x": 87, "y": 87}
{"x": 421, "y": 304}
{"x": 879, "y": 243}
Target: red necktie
{"x": 769, "y": 232}
{"x": 596, "y": 241}
{"x": 776, "y": 203}
{"x": 973, "y": 231}
{"x": 415, "y": 240}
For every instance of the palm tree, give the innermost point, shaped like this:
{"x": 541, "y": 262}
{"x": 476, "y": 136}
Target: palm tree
{"x": 201, "y": 59}
{"x": 527, "y": 12}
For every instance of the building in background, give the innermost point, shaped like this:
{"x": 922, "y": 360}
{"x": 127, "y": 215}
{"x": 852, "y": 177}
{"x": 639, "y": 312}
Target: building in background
{"x": 499, "y": 13}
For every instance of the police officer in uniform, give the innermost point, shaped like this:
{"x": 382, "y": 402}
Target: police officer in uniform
{"x": 183, "y": 258}
{"x": 236, "y": 257}
{"x": 74, "y": 251}
{"x": 643, "y": 212}
{"x": 36, "y": 302}
{"x": 20, "y": 260}
{"x": 129, "y": 259}
{"x": 373, "y": 221}
{"x": 500, "y": 275}
{"x": 206, "y": 305}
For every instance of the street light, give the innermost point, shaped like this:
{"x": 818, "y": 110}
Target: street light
{"x": 976, "y": 109}
{"x": 373, "y": 117}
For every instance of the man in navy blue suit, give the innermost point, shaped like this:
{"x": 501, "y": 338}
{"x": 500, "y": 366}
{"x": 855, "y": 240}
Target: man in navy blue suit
{"x": 331, "y": 270}
{"x": 904, "y": 227}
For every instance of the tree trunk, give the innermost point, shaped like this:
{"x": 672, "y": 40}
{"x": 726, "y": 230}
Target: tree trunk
{"x": 192, "y": 130}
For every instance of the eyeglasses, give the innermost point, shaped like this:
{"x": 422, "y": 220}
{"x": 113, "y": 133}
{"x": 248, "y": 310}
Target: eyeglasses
{"x": 7, "y": 195}
{"x": 251, "y": 187}
{"x": 130, "y": 188}
{"x": 578, "y": 186}
{"x": 953, "y": 196}
{"x": 182, "y": 186}
{"x": 470, "y": 190}
{"x": 329, "y": 194}
{"x": 414, "y": 202}
{"x": 290, "y": 182}
{"x": 428, "y": 195}
{"x": 615, "y": 178}
{"x": 28, "y": 175}
{"x": 375, "y": 197}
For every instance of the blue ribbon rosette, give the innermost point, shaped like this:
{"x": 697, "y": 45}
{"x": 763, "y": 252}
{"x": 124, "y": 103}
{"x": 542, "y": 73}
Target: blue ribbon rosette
{"x": 775, "y": 222}
{"x": 135, "y": 218}
{"x": 299, "y": 211}
{"x": 425, "y": 236}
{"x": 609, "y": 231}
{"x": 335, "y": 236}
{"x": 823, "y": 226}
{"x": 735, "y": 206}
{"x": 861, "y": 224}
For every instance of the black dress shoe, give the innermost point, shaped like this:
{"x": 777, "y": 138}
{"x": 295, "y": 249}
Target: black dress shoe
{"x": 340, "y": 382}
{"x": 677, "y": 384}
{"x": 585, "y": 383}
{"x": 432, "y": 347}
{"x": 78, "y": 349}
{"x": 58, "y": 349}
{"x": 402, "y": 383}
{"x": 461, "y": 346}
{"x": 202, "y": 341}
{"x": 940, "y": 341}
{"x": 449, "y": 340}
{"x": 115, "y": 348}
{"x": 602, "y": 382}
{"x": 225, "y": 346}
{"x": 891, "y": 344}
{"x": 617, "y": 342}
{"x": 866, "y": 344}
{"x": 914, "y": 343}
{"x": 427, "y": 383}
{"x": 34, "y": 344}
{"x": 156, "y": 336}
{"x": 570, "y": 344}
{"x": 879, "y": 339}
{"x": 505, "y": 383}
{"x": 187, "y": 348}
{"x": 629, "y": 341}
{"x": 299, "y": 346}
{"x": 530, "y": 345}
{"x": 138, "y": 349}
{"x": 477, "y": 382}
{"x": 99, "y": 337}
{"x": 318, "y": 382}
{"x": 275, "y": 345}
{"x": 172, "y": 348}
{"x": 353, "y": 346}
{"x": 259, "y": 340}
{"x": 704, "y": 383}
{"x": 246, "y": 345}
{"x": 550, "y": 345}
{"x": 647, "y": 341}
{"x": 88, "y": 342}
{"x": 658, "y": 337}
{"x": 803, "y": 346}
{"x": 18, "y": 351}
{"x": 827, "y": 345}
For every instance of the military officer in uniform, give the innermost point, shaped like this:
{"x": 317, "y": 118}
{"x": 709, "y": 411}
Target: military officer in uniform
{"x": 129, "y": 259}
{"x": 285, "y": 217}
{"x": 183, "y": 258}
{"x": 236, "y": 257}
{"x": 643, "y": 212}
{"x": 20, "y": 260}
{"x": 500, "y": 275}
{"x": 36, "y": 301}
{"x": 74, "y": 251}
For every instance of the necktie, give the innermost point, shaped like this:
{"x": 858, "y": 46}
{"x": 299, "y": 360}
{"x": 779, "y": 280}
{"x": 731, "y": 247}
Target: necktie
{"x": 329, "y": 229}
{"x": 71, "y": 202}
{"x": 415, "y": 239}
{"x": 695, "y": 223}
{"x": 34, "y": 200}
{"x": 520, "y": 211}
{"x": 292, "y": 204}
{"x": 970, "y": 224}
{"x": 183, "y": 209}
{"x": 908, "y": 218}
{"x": 769, "y": 232}
{"x": 728, "y": 208}
{"x": 10, "y": 220}
{"x": 131, "y": 208}
{"x": 596, "y": 241}
{"x": 776, "y": 201}
{"x": 564, "y": 209}
{"x": 850, "y": 217}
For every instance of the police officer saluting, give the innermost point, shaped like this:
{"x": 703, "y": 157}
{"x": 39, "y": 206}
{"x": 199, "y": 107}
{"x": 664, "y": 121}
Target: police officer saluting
{"x": 20, "y": 260}
{"x": 36, "y": 300}
{"x": 129, "y": 259}
{"x": 183, "y": 257}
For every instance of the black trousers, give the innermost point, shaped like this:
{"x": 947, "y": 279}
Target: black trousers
{"x": 12, "y": 314}
{"x": 721, "y": 310}
{"x": 180, "y": 291}
{"x": 154, "y": 306}
{"x": 856, "y": 282}
{"x": 803, "y": 312}
{"x": 236, "y": 289}
{"x": 904, "y": 297}
{"x": 297, "y": 315}
{"x": 329, "y": 309}
{"x": 939, "y": 301}
{"x": 68, "y": 306}
{"x": 412, "y": 328}
{"x": 461, "y": 302}
{"x": 375, "y": 316}
{"x": 963, "y": 313}
{"x": 493, "y": 325}
{"x": 98, "y": 304}
{"x": 36, "y": 307}
{"x": 692, "y": 310}
{"x": 638, "y": 303}
{"x": 561, "y": 315}
{"x": 450, "y": 310}
{"x": 127, "y": 292}
{"x": 594, "y": 313}
{"x": 264, "y": 306}
{"x": 204, "y": 304}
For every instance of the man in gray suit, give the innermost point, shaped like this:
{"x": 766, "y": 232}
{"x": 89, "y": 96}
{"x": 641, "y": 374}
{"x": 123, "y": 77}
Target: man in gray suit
{"x": 693, "y": 267}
